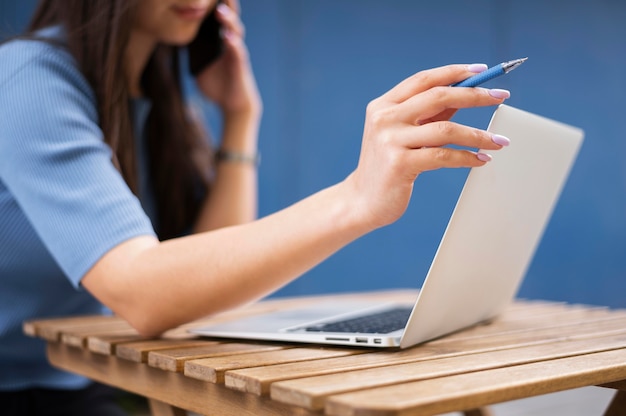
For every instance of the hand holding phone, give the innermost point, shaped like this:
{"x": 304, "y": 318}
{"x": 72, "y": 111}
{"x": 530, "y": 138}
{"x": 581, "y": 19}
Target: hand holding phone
{"x": 225, "y": 75}
{"x": 208, "y": 44}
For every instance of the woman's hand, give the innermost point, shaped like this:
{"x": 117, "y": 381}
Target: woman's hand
{"x": 406, "y": 131}
{"x": 229, "y": 81}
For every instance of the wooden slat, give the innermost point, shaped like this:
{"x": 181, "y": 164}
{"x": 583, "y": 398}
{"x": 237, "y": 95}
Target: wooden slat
{"x": 440, "y": 395}
{"x": 213, "y": 369}
{"x": 174, "y": 359}
{"x": 258, "y": 380}
{"x": 517, "y": 321}
{"x": 138, "y": 351}
{"x": 526, "y": 309}
{"x": 106, "y": 344}
{"x": 51, "y": 329}
{"x": 312, "y": 392}
{"x": 77, "y": 336}
{"x": 172, "y": 388}
{"x": 535, "y": 331}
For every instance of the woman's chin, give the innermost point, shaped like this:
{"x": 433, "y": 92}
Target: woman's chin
{"x": 181, "y": 39}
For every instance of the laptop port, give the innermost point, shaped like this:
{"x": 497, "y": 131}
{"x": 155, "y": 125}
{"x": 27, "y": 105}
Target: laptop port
{"x": 361, "y": 340}
{"x": 378, "y": 341}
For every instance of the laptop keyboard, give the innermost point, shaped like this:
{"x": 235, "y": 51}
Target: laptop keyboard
{"x": 377, "y": 323}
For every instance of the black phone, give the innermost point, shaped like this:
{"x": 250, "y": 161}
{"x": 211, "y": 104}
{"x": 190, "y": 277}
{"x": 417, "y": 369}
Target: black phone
{"x": 207, "y": 46}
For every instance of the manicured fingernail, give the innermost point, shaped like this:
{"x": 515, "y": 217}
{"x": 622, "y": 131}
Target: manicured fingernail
{"x": 483, "y": 157}
{"x": 501, "y": 140}
{"x": 223, "y": 9}
{"x": 477, "y": 68}
{"x": 496, "y": 93}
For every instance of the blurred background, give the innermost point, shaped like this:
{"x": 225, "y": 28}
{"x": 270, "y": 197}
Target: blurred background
{"x": 318, "y": 64}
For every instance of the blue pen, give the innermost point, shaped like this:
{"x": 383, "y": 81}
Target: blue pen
{"x": 494, "y": 71}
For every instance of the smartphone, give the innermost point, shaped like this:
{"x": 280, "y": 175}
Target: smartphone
{"x": 207, "y": 46}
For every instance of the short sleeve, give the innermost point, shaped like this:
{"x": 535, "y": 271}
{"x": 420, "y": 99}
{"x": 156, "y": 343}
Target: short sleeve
{"x": 54, "y": 162}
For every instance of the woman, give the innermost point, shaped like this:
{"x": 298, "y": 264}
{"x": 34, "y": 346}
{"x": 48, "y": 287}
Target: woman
{"x": 109, "y": 193}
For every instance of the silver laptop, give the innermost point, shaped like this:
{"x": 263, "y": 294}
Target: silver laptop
{"x": 482, "y": 258}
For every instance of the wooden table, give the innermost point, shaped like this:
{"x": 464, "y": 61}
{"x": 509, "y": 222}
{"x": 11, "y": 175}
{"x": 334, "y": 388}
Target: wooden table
{"x": 534, "y": 348}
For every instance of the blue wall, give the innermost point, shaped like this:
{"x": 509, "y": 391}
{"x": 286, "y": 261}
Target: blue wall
{"x": 319, "y": 63}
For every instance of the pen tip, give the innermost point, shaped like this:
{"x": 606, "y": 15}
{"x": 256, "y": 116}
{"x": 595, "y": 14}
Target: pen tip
{"x": 511, "y": 65}
{"x": 519, "y": 61}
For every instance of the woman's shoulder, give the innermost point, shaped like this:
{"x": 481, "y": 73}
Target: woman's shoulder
{"x": 49, "y": 41}
{"x": 43, "y": 55}
{"x": 41, "y": 49}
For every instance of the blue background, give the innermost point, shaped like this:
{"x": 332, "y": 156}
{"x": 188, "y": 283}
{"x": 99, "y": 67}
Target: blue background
{"x": 318, "y": 64}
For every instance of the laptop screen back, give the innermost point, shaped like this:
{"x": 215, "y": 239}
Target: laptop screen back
{"x": 496, "y": 226}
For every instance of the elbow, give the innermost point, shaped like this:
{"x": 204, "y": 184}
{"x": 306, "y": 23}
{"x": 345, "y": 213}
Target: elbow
{"x": 118, "y": 281}
{"x": 142, "y": 312}
{"x": 147, "y": 326}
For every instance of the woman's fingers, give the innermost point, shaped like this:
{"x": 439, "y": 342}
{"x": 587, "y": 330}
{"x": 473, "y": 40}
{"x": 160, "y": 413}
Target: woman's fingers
{"x": 427, "y": 79}
{"x": 234, "y": 5}
{"x": 432, "y": 158}
{"x": 429, "y": 104}
{"x": 422, "y": 121}
{"x": 442, "y": 133}
{"x": 229, "y": 18}
{"x": 444, "y": 115}
{"x": 427, "y": 96}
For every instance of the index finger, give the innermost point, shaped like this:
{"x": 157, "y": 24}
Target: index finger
{"x": 427, "y": 79}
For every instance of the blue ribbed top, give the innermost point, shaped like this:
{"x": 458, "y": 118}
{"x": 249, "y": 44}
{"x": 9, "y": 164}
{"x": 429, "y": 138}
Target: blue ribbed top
{"x": 62, "y": 203}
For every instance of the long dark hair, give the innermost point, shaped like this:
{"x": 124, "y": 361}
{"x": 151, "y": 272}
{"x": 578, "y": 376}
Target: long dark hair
{"x": 179, "y": 154}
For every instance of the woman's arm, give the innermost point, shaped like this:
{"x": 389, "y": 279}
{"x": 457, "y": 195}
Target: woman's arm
{"x": 156, "y": 286}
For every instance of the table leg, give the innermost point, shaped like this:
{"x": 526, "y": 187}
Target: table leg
{"x": 617, "y": 407}
{"x": 481, "y": 411}
{"x": 616, "y": 385}
{"x": 159, "y": 408}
